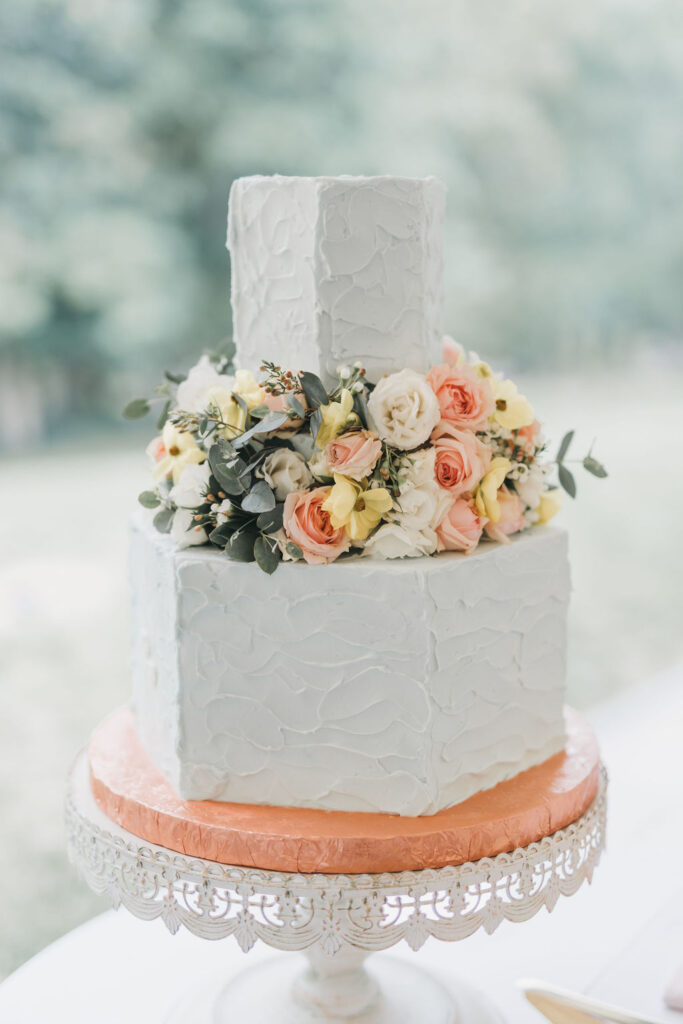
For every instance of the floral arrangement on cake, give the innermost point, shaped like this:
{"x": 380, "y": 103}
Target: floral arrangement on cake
{"x": 284, "y": 468}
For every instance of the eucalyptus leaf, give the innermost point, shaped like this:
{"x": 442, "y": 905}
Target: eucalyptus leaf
{"x": 316, "y": 423}
{"x": 267, "y": 554}
{"x": 259, "y": 411}
{"x": 594, "y": 467}
{"x": 564, "y": 446}
{"x": 293, "y": 550}
{"x": 567, "y": 480}
{"x": 264, "y": 426}
{"x": 313, "y": 389}
{"x": 136, "y": 409}
{"x": 163, "y": 520}
{"x": 296, "y": 406}
{"x": 149, "y": 499}
{"x": 163, "y": 415}
{"x": 228, "y": 468}
{"x": 360, "y": 407}
{"x": 259, "y": 499}
{"x": 240, "y": 547}
{"x": 271, "y": 521}
{"x": 175, "y": 378}
{"x": 242, "y": 404}
{"x": 221, "y": 535}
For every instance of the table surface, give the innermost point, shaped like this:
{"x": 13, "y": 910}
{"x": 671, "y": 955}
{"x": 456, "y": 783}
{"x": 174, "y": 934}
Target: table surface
{"x": 619, "y": 939}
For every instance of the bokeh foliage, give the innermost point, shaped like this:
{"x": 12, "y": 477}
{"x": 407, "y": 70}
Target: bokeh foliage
{"x": 123, "y": 122}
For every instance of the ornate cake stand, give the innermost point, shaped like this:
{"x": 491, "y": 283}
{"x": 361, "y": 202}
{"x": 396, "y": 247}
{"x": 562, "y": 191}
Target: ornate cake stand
{"x": 336, "y": 920}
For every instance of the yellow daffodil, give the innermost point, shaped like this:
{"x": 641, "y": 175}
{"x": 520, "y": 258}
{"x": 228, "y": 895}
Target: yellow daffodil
{"x": 180, "y": 449}
{"x": 549, "y": 506}
{"x": 336, "y": 417}
{"x": 511, "y": 410}
{"x": 355, "y": 506}
{"x": 486, "y": 495}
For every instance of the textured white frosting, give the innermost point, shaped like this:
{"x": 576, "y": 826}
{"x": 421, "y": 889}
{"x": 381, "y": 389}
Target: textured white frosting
{"x": 326, "y": 271}
{"x": 400, "y": 687}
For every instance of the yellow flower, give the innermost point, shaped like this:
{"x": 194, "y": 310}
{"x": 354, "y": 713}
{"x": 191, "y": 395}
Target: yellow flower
{"x": 549, "y": 506}
{"x": 336, "y": 417}
{"x": 512, "y": 410}
{"x": 181, "y": 450}
{"x": 231, "y": 412}
{"x": 355, "y": 506}
{"x": 486, "y": 496}
{"x": 247, "y": 388}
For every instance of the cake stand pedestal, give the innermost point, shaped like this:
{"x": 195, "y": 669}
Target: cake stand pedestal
{"x": 338, "y": 921}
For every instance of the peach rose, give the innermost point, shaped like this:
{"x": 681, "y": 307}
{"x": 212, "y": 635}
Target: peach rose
{"x": 511, "y": 517}
{"x": 461, "y": 459}
{"x": 354, "y": 454}
{"x": 308, "y": 525}
{"x": 452, "y": 351}
{"x": 460, "y": 529}
{"x": 465, "y": 399}
{"x": 278, "y": 403}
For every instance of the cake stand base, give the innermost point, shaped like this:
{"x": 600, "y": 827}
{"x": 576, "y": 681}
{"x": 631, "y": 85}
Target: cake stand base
{"x": 284, "y": 991}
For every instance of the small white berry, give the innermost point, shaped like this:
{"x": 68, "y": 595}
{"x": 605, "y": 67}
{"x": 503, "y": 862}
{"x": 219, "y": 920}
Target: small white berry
{"x": 344, "y": 372}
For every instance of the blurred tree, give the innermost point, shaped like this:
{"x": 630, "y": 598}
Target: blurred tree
{"x": 123, "y": 122}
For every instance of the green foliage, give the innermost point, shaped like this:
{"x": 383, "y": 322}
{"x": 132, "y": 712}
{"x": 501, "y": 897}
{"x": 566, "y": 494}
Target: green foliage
{"x": 149, "y": 499}
{"x": 313, "y": 389}
{"x": 267, "y": 554}
{"x": 136, "y": 409}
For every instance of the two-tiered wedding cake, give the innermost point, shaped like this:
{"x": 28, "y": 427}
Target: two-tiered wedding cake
{"x": 349, "y": 679}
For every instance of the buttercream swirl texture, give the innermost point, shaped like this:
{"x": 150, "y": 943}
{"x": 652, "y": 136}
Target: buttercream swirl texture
{"x": 327, "y": 271}
{"x": 397, "y": 687}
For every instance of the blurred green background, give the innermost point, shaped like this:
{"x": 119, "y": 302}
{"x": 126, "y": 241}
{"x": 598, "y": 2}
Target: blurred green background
{"x": 558, "y": 131}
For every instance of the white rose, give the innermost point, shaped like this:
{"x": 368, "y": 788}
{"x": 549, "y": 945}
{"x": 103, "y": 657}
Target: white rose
{"x": 185, "y": 531}
{"x": 286, "y": 471}
{"x": 395, "y": 541}
{"x": 530, "y": 487}
{"x": 422, "y": 504}
{"x": 404, "y": 410}
{"x": 190, "y": 491}
{"x": 320, "y": 467}
{"x": 193, "y": 393}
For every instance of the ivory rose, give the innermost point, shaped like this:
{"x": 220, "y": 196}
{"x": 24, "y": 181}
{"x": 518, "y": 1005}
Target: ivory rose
{"x": 422, "y": 504}
{"x": 465, "y": 400}
{"x": 461, "y": 459}
{"x": 354, "y": 454}
{"x": 188, "y": 494}
{"x": 511, "y": 519}
{"x": 460, "y": 529}
{"x": 404, "y": 410}
{"x": 309, "y": 526}
{"x": 285, "y": 471}
{"x": 395, "y": 541}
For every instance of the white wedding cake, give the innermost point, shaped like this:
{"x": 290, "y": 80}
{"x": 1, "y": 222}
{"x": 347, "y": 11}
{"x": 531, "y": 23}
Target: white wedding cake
{"x": 394, "y": 685}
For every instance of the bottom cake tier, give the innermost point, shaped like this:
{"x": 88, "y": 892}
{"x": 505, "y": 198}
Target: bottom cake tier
{"x": 535, "y": 803}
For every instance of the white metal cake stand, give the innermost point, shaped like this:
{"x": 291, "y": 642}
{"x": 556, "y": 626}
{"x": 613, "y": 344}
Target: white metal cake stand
{"x": 336, "y": 920}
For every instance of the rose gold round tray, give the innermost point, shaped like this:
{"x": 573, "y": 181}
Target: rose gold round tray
{"x": 523, "y": 810}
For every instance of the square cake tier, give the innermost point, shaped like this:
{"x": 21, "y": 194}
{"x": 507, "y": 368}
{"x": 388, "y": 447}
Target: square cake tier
{"x": 400, "y": 687}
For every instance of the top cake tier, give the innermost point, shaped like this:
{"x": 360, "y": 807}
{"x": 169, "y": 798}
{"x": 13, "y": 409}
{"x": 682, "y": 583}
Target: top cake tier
{"x": 327, "y": 271}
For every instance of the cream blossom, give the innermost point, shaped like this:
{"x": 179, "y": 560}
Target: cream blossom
{"x": 181, "y": 451}
{"x": 285, "y": 471}
{"x": 188, "y": 494}
{"x": 395, "y": 541}
{"x": 192, "y": 395}
{"x": 421, "y": 504}
{"x": 403, "y": 409}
